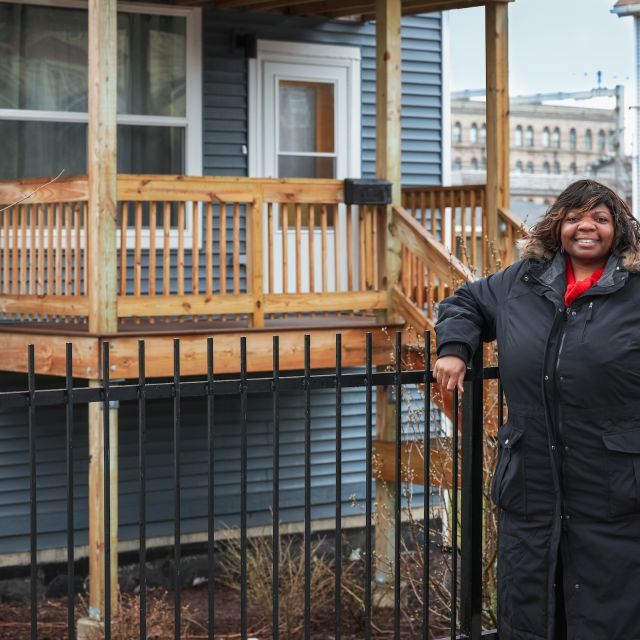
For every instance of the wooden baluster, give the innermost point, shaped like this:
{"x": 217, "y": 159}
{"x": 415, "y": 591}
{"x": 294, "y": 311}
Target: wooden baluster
{"x": 375, "y": 213}
{"x": 363, "y": 252}
{"x": 85, "y": 253}
{"x": 77, "y": 248}
{"x": 473, "y": 239}
{"x": 124, "y": 223}
{"x": 195, "y": 250}
{"x": 137, "y": 251}
{"x": 414, "y": 206}
{"x": 423, "y": 208}
{"x": 59, "y": 228}
{"x": 369, "y": 246}
{"x": 6, "y": 253}
{"x": 236, "y": 248}
{"x": 68, "y": 251}
{"x": 166, "y": 249}
{"x": 32, "y": 261}
{"x": 443, "y": 216}
{"x": 323, "y": 246}
{"x": 153, "y": 229}
{"x": 454, "y": 217}
{"x": 483, "y": 230}
{"x": 41, "y": 225}
{"x": 463, "y": 226}
{"x": 434, "y": 214}
{"x": 15, "y": 215}
{"x": 181, "y": 248}
{"x": 350, "y": 248}
{"x": 336, "y": 244}
{"x": 208, "y": 248}
{"x": 285, "y": 248}
{"x": 23, "y": 249}
{"x": 298, "y": 248}
{"x": 312, "y": 256}
{"x": 223, "y": 248}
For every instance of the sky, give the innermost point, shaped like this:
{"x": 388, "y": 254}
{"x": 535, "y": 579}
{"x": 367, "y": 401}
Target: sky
{"x": 554, "y": 45}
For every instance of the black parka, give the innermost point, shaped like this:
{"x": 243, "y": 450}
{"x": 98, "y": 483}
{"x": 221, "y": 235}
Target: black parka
{"x": 568, "y": 477}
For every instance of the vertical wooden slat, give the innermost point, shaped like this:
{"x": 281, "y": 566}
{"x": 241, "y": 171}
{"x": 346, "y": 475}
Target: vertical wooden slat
{"x": 369, "y": 246}
{"x": 137, "y": 251}
{"x": 61, "y": 211}
{"x": 181, "y": 220}
{"x": 41, "y": 224}
{"x": 6, "y": 252}
{"x": 423, "y": 208}
{"x": 124, "y": 223}
{"x": 23, "y": 249}
{"x": 483, "y": 231}
{"x": 298, "y": 248}
{"x": 68, "y": 255}
{"x": 223, "y": 247}
{"x": 208, "y": 248}
{"x": 15, "y": 214}
{"x": 270, "y": 244}
{"x": 323, "y": 245}
{"x": 195, "y": 251}
{"x": 255, "y": 275}
{"x": 434, "y": 213}
{"x": 285, "y": 248}
{"x": 166, "y": 249}
{"x": 454, "y": 217}
{"x": 32, "y": 249}
{"x": 472, "y": 233}
{"x": 236, "y": 248}
{"x": 153, "y": 229}
{"x": 77, "y": 250}
{"x": 363, "y": 252}
{"x": 374, "y": 229}
{"x": 350, "y": 248}
{"x": 85, "y": 253}
{"x": 336, "y": 243}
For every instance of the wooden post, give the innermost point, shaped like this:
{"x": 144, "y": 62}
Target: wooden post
{"x": 102, "y": 276}
{"x": 254, "y": 263}
{"x": 497, "y": 55}
{"x": 388, "y": 167}
{"x": 96, "y": 509}
{"x": 388, "y": 130}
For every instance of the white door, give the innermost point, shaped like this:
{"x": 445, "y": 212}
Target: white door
{"x": 307, "y": 129}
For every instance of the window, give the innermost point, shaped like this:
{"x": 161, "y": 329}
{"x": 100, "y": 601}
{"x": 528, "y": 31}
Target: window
{"x": 555, "y": 138}
{"x": 519, "y": 167}
{"x": 483, "y": 134}
{"x": 457, "y": 164}
{"x": 44, "y": 87}
{"x": 556, "y": 168}
{"x": 546, "y": 168}
{"x": 573, "y": 169}
{"x": 546, "y": 137}
{"x": 473, "y": 134}
{"x": 518, "y": 137}
{"x": 602, "y": 141}
{"x": 530, "y": 168}
{"x": 573, "y": 139}
{"x": 612, "y": 140}
{"x": 457, "y": 133}
{"x": 529, "y": 137}
{"x": 483, "y": 164}
{"x": 588, "y": 140}
{"x": 474, "y": 164}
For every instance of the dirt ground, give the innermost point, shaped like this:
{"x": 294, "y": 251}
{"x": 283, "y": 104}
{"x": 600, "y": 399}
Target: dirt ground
{"x": 52, "y": 617}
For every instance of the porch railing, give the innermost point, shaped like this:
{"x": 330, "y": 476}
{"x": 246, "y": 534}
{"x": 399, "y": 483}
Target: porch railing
{"x": 444, "y": 458}
{"x": 193, "y": 247}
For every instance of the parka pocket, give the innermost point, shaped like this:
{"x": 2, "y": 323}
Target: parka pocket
{"x": 623, "y": 464}
{"x": 508, "y": 490}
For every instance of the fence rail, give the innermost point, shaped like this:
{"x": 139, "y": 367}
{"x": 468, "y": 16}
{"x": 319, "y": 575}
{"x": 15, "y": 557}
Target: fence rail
{"x": 462, "y": 547}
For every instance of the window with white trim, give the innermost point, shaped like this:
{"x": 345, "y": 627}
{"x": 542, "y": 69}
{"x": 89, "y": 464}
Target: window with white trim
{"x": 44, "y": 85}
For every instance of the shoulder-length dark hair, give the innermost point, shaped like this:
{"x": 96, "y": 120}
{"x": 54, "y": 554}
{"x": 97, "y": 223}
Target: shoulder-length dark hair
{"x": 543, "y": 239}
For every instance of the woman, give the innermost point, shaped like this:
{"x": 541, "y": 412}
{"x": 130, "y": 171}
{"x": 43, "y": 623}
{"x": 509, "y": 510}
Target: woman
{"x": 567, "y": 322}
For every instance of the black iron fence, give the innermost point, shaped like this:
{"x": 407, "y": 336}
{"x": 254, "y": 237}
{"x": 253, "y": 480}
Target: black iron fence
{"x": 460, "y": 545}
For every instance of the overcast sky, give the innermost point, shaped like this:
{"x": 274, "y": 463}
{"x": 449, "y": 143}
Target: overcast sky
{"x": 554, "y": 45}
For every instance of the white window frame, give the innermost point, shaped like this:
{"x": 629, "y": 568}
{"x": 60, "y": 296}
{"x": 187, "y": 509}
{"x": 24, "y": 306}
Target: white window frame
{"x": 191, "y": 121}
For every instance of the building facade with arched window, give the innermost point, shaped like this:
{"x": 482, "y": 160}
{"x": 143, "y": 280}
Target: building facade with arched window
{"x": 550, "y": 145}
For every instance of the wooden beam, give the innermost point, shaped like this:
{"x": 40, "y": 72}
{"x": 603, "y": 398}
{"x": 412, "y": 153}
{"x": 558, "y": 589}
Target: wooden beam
{"x": 184, "y": 305}
{"x": 101, "y": 162}
{"x": 37, "y": 191}
{"x": 333, "y": 301}
{"x": 49, "y": 353}
{"x": 45, "y": 305}
{"x": 123, "y": 354}
{"x": 417, "y": 318}
{"x": 388, "y": 129}
{"x": 497, "y": 56}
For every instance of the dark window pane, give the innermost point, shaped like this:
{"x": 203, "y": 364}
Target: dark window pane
{"x": 150, "y": 149}
{"x": 306, "y": 167}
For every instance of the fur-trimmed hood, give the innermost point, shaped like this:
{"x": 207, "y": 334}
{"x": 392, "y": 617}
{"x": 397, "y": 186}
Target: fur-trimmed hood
{"x": 534, "y": 249}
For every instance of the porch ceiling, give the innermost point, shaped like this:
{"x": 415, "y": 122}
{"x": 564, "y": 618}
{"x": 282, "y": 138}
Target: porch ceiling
{"x": 357, "y": 9}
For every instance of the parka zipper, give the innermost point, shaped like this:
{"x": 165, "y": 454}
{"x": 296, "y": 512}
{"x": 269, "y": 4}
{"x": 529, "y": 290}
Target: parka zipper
{"x": 587, "y": 319}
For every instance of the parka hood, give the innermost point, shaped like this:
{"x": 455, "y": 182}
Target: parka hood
{"x": 533, "y": 249}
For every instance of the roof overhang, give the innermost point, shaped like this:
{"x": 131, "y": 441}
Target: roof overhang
{"x": 359, "y": 9}
{"x": 626, "y": 8}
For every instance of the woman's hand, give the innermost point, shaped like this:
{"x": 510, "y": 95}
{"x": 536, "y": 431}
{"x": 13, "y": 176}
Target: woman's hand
{"x": 449, "y": 372}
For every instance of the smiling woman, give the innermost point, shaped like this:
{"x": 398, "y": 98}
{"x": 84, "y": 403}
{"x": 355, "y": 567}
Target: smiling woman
{"x": 566, "y": 319}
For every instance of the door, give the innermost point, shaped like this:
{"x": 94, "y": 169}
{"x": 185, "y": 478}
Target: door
{"x": 306, "y": 130}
